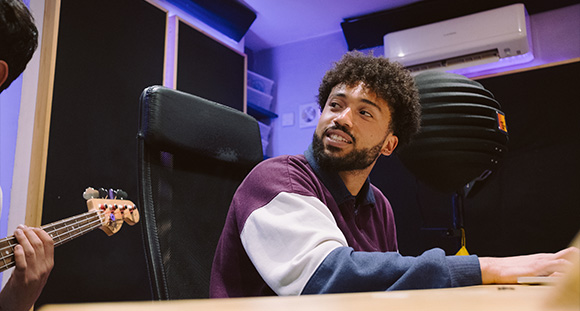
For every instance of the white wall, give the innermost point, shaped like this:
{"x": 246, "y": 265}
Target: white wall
{"x": 297, "y": 68}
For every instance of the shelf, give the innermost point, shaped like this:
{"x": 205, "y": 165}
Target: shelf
{"x": 259, "y": 112}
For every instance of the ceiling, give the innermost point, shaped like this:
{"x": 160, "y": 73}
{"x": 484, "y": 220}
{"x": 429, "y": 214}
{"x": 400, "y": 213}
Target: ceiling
{"x": 280, "y": 22}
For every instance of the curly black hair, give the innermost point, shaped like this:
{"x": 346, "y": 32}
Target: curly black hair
{"x": 18, "y": 38}
{"x": 389, "y": 80}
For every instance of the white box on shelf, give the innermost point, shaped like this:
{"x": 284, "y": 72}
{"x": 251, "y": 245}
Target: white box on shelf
{"x": 260, "y": 83}
{"x": 264, "y": 130}
{"x": 259, "y": 99}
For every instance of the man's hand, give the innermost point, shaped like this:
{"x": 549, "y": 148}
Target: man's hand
{"x": 34, "y": 257}
{"x": 507, "y": 270}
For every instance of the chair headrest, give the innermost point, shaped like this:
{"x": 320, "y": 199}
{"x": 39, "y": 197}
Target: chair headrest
{"x": 174, "y": 120}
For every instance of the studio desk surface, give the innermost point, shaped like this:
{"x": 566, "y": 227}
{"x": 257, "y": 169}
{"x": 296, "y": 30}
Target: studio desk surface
{"x": 473, "y": 298}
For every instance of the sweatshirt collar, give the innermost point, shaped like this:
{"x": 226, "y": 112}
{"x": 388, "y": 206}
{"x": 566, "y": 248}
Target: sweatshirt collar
{"x": 336, "y": 186}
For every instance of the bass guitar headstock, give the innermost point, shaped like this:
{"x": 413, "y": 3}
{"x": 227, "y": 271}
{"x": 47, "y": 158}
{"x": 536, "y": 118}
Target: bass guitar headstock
{"x": 113, "y": 208}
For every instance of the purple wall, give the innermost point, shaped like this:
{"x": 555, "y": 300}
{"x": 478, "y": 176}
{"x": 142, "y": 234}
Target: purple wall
{"x": 297, "y": 69}
{"x": 9, "y": 111}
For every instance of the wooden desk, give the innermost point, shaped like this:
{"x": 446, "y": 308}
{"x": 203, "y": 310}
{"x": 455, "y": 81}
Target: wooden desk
{"x": 474, "y": 298}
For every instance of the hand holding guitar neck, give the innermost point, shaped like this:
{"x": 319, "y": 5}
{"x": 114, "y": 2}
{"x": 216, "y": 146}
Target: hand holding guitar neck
{"x": 108, "y": 209}
{"x": 34, "y": 259}
{"x": 31, "y": 250}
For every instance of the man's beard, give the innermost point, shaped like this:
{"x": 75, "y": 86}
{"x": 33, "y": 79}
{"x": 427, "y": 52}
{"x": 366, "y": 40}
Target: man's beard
{"x": 355, "y": 160}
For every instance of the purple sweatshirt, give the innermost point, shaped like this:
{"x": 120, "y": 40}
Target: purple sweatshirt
{"x": 294, "y": 229}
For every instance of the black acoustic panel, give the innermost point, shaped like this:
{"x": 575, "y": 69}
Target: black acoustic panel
{"x": 230, "y": 17}
{"x": 367, "y": 31}
{"x": 530, "y": 203}
{"x": 108, "y": 52}
{"x": 209, "y": 69}
{"x": 446, "y": 170}
{"x": 540, "y": 106}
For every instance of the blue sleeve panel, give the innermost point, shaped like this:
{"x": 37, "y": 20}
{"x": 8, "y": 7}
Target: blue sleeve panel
{"x": 345, "y": 270}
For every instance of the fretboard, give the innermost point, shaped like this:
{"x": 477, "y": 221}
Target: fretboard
{"x": 61, "y": 232}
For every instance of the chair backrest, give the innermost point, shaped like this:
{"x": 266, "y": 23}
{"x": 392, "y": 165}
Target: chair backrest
{"x": 193, "y": 154}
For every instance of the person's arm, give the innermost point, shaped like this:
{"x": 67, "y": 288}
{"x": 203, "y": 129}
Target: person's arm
{"x": 297, "y": 248}
{"x": 345, "y": 270}
{"x": 34, "y": 257}
{"x": 506, "y": 270}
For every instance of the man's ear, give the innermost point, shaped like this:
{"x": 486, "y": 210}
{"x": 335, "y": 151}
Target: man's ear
{"x": 390, "y": 145}
{"x": 3, "y": 72}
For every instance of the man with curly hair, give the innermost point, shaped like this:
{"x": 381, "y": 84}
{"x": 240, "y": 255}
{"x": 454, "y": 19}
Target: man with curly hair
{"x": 33, "y": 255}
{"x": 313, "y": 223}
{"x": 18, "y": 40}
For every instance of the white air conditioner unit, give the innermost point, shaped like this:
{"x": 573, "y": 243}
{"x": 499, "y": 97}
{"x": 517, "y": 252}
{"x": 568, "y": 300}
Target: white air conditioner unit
{"x": 497, "y": 38}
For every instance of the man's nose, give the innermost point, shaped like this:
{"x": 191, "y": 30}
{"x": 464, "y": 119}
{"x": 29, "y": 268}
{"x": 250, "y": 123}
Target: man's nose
{"x": 344, "y": 117}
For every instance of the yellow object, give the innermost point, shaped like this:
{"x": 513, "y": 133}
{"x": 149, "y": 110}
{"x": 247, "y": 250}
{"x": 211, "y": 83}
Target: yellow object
{"x": 462, "y": 251}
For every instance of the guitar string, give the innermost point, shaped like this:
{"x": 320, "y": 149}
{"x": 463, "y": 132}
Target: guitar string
{"x": 88, "y": 219}
{"x": 75, "y": 218}
{"x": 82, "y": 229}
{"x": 94, "y": 219}
{"x": 92, "y": 224}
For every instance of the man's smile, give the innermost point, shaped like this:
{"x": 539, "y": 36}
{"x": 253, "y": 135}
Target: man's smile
{"x": 336, "y": 137}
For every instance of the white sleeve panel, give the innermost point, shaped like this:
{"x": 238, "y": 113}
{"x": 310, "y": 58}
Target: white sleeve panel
{"x": 288, "y": 239}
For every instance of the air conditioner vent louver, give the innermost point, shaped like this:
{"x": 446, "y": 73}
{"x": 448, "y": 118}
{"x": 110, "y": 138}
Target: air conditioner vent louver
{"x": 482, "y": 57}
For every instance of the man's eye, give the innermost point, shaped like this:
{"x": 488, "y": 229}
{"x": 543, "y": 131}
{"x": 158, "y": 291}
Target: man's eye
{"x": 366, "y": 113}
{"x": 333, "y": 104}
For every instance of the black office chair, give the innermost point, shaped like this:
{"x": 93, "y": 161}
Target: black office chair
{"x": 463, "y": 138}
{"x": 193, "y": 154}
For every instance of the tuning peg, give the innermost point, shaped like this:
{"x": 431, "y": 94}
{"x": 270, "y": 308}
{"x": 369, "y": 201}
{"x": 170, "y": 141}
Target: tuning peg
{"x": 103, "y": 193}
{"x": 90, "y": 193}
{"x": 120, "y": 194}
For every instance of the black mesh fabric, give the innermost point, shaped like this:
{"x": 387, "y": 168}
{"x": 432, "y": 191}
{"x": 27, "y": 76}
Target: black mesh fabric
{"x": 187, "y": 183}
{"x": 461, "y": 137}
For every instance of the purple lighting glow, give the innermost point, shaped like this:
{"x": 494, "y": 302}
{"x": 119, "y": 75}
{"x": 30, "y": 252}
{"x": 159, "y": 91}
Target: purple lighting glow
{"x": 496, "y": 67}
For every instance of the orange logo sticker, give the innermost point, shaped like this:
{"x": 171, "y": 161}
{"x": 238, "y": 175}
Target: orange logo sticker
{"x": 501, "y": 121}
